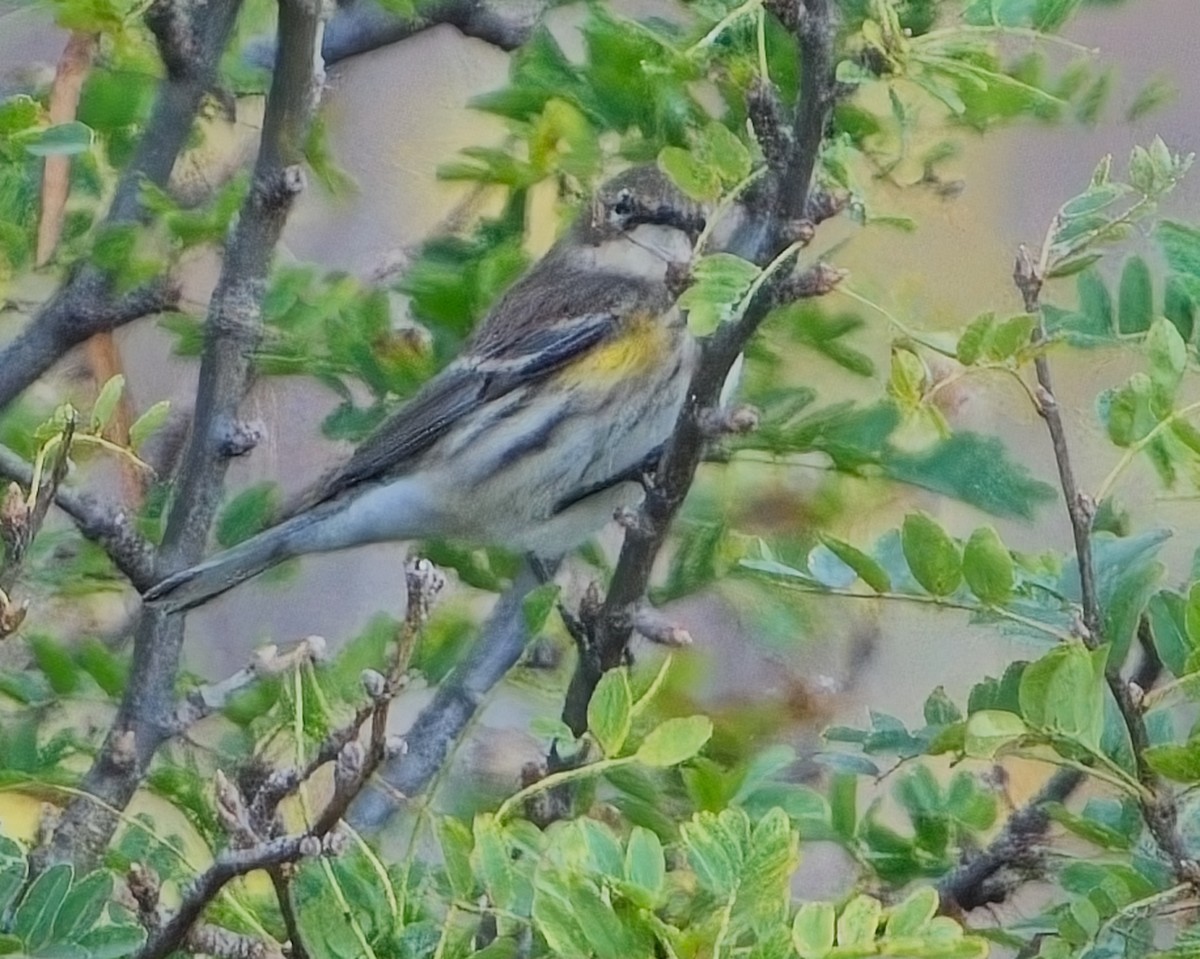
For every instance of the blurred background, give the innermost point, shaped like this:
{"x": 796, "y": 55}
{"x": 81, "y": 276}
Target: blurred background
{"x": 786, "y": 670}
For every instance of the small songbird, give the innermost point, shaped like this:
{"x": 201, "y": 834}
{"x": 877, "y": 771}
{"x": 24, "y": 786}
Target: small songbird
{"x": 540, "y": 429}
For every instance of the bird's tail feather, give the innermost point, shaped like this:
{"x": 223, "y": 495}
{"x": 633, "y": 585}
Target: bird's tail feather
{"x": 200, "y": 583}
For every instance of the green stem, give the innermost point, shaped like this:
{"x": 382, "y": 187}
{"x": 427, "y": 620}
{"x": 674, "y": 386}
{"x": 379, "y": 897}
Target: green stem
{"x": 941, "y": 602}
{"x": 936, "y": 37}
{"x": 1134, "y": 448}
{"x": 559, "y": 779}
{"x": 894, "y": 320}
{"x": 724, "y": 24}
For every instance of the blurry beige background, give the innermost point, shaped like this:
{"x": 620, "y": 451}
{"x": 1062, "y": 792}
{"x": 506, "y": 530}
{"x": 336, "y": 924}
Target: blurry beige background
{"x": 395, "y": 114}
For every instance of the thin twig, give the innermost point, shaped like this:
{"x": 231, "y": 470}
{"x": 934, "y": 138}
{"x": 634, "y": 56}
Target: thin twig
{"x": 1158, "y": 805}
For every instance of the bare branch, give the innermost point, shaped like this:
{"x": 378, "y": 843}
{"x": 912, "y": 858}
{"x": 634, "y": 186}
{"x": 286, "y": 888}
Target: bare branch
{"x": 191, "y": 38}
{"x": 268, "y": 661}
{"x": 1159, "y": 806}
{"x": 147, "y": 713}
{"x": 364, "y": 25}
{"x": 458, "y": 697}
{"x": 229, "y": 865}
{"x": 109, "y": 526}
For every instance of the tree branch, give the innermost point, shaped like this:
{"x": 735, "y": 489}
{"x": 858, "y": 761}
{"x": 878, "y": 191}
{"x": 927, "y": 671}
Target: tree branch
{"x": 146, "y": 717}
{"x": 106, "y": 525}
{"x": 1159, "y": 810}
{"x": 364, "y": 25}
{"x": 459, "y": 695}
{"x": 191, "y": 37}
{"x": 789, "y": 184}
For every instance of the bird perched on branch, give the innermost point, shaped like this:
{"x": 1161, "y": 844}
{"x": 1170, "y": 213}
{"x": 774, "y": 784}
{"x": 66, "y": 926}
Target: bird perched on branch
{"x": 540, "y": 429}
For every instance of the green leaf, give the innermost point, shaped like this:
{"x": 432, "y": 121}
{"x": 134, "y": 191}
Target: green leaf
{"x": 645, "y": 864}
{"x": 247, "y": 513}
{"x": 455, "y": 840}
{"x": 1135, "y": 299}
{"x": 931, "y": 554}
{"x": 537, "y": 606}
{"x": 813, "y": 929}
{"x": 609, "y": 711}
{"x": 1087, "y": 828}
{"x": 910, "y": 917}
{"x": 990, "y": 730}
{"x": 1157, "y": 93}
{"x": 857, "y": 924}
{"x": 1010, "y": 337}
{"x": 726, "y": 153}
{"x": 1169, "y": 615}
{"x": 690, "y": 173}
{"x": 12, "y": 878}
{"x": 113, "y": 942}
{"x": 83, "y": 905}
{"x": 1168, "y": 358}
{"x": 1072, "y": 266}
{"x": 940, "y": 709}
{"x": 1180, "y": 243}
{"x": 63, "y": 139}
{"x": 719, "y": 282}
{"x": 675, "y": 741}
{"x": 988, "y": 567}
{"x": 1063, "y": 693}
{"x": 1191, "y": 616}
{"x": 492, "y": 862}
{"x": 973, "y": 339}
{"x": 866, "y": 568}
{"x": 975, "y": 469}
{"x": 1180, "y": 763}
{"x": 106, "y": 403}
{"x": 554, "y": 913}
{"x": 56, "y": 664}
{"x": 148, "y": 423}
{"x": 34, "y": 918}
{"x": 906, "y": 384}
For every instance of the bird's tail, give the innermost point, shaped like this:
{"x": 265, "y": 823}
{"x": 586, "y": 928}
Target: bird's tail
{"x": 200, "y": 583}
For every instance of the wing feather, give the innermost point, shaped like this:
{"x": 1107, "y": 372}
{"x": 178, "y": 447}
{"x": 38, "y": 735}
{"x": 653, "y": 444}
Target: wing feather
{"x": 508, "y": 350}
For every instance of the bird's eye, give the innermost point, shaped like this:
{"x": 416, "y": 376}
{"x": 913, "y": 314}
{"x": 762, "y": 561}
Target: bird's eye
{"x": 623, "y": 205}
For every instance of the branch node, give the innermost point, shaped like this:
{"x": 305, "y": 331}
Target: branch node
{"x": 1027, "y": 278}
{"x": 240, "y": 437}
{"x": 425, "y": 583}
{"x": 1046, "y": 401}
{"x": 310, "y": 846}
{"x": 768, "y": 120}
{"x": 657, "y": 627}
{"x": 124, "y": 749}
{"x": 348, "y": 769}
{"x": 824, "y": 205}
{"x": 738, "y": 420}
{"x": 375, "y": 684}
{"x": 395, "y": 747}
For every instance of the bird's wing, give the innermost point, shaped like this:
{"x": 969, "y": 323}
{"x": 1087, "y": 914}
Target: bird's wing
{"x": 508, "y": 351}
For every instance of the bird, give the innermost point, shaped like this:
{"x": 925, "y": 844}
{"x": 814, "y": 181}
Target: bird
{"x": 544, "y": 425}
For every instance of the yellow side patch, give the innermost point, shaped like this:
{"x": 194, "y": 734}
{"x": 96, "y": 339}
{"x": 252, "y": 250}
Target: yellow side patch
{"x": 639, "y": 348}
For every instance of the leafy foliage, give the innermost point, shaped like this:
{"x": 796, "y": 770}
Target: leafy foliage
{"x": 678, "y": 836}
